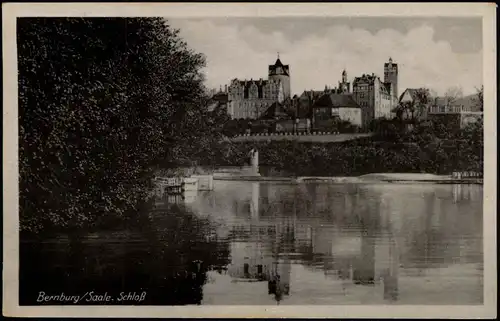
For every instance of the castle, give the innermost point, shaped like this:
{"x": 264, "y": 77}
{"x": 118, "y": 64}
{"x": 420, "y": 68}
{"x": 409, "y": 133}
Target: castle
{"x": 377, "y": 98}
{"x": 369, "y": 98}
{"x": 250, "y": 99}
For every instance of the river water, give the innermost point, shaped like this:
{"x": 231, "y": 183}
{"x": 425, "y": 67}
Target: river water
{"x": 346, "y": 244}
{"x": 260, "y": 243}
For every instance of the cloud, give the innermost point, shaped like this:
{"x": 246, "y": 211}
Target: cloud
{"x": 318, "y": 59}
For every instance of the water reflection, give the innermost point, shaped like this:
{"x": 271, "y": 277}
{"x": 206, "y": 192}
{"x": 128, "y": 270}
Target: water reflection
{"x": 348, "y": 244}
{"x": 261, "y": 243}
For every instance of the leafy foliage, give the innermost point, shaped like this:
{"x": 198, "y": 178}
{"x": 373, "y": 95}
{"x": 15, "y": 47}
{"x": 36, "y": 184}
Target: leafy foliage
{"x": 413, "y": 110}
{"x": 429, "y": 148}
{"x": 102, "y": 101}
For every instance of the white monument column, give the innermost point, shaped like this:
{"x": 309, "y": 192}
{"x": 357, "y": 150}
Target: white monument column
{"x": 255, "y": 200}
{"x": 255, "y": 161}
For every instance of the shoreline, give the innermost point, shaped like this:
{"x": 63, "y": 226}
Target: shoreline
{"x": 355, "y": 179}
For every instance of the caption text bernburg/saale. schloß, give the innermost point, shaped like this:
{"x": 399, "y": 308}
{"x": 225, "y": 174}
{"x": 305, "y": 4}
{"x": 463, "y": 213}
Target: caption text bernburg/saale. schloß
{"x": 91, "y": 296}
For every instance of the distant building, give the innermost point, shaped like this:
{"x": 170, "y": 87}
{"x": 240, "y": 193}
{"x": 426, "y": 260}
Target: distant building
{"x": 283, "y": 117}
{"x": 302, "y": 105}
{"x": 331, "y": 107}
{"x": 219, "y": 99}
{"x": 455, "y": 113}
{"x": 249, "y": 99}
{"x": 263, "y": 99}
{"x": 420, "y": 100}
{"x": 377, "y": 98}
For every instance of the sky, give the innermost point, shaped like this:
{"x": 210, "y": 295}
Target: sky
{"x": 436, "y": 53}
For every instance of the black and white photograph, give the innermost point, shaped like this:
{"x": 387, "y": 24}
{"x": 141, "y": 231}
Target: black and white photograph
{"x": 250, "y": 160}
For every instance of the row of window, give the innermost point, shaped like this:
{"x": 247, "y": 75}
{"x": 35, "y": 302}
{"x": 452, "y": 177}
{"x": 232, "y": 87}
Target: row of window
{"x": 363, "y": 88}
{"x": 253, "y": 95}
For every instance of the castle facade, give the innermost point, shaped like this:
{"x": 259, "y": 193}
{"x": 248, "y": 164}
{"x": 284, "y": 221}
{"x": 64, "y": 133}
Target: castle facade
{"x": 249, "y": 99}
{"x": 377, "y": 98}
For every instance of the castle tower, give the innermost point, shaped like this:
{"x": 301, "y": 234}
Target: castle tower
{"x": 391, "y": 76}
{"x": 344, "y": 85}
{"x": 280, "y": 72}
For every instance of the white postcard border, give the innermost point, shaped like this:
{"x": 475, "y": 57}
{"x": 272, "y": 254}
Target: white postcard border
{"x": 10, "y": 151}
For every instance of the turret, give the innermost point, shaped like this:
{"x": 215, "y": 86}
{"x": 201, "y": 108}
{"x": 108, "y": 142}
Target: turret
{"x": 281, "y": 72}
{"x": 391, "y": 76}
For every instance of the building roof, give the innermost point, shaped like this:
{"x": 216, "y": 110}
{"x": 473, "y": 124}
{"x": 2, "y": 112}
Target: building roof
{"x": 336, "y": 101}
{"x": 312, "y": 94}
{"x": 246, "y": 84}
{"x": 365, "y": 78}
{"x": 413, "y": 92}
{"x": 220, "y": 97}
{"x": 391, "y": 63}
{"x": 278, "y": 63}
{"x": 303, "y": 103}
{"x": 276, "y": 110}
{"x": 217, "y": 100}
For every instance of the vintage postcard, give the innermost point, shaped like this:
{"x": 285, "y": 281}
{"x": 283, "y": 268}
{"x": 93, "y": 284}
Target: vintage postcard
{"x": 249, "y": 160}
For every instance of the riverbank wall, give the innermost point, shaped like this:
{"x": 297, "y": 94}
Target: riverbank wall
{"x": 400, "y": 178}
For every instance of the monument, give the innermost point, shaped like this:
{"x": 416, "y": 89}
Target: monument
{"x": 254, "y": 161}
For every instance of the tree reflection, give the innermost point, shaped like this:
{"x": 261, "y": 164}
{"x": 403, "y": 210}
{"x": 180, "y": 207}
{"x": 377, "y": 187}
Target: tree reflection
{"x": 166, "y": 255}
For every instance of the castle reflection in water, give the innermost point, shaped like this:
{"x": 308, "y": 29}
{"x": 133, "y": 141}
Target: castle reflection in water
{"x": 360, "y": 234}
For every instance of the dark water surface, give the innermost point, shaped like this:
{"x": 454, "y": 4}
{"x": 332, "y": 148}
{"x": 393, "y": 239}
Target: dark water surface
{"x": 262, "y": 243}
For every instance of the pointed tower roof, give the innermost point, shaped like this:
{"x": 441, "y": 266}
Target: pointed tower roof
{"x": 390, "y": 63}
{"x": 279, "y": 64}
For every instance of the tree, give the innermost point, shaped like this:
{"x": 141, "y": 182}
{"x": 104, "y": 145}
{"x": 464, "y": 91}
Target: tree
{"x": 412, "y": 111}
{"x": 102, "y": 101}
{"x": 479, "y": 101}
{"x": 452, "y": 95}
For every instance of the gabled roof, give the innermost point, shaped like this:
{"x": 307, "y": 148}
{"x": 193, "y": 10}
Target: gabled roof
{"x": 276, "y": 110}
{"x": 413, "y": 92}
{"x": 336, "y": 101}
{"x": 217, "y": 100}
{"x": 365, "y": 78}
{"x": 220, "y": 97}
{"x": 247, "y": 83}
{"x": 312, "y": 94}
